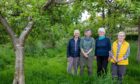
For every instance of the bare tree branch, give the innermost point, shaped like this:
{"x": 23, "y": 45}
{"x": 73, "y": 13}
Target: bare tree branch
{"x": 7, "y": 26}
{"x": 8, "y": 29}
{"x": 48, "y": 4}
{"x": 26, "y": 31}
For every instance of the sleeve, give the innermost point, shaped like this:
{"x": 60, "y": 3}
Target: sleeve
{"x": 110, "y": 54}
{"x": 109, "y": 45}
{"x": 111, "y": 51}
{"x": 127, "y": 53}
{"x": 81, "y": 44}
{"x": 68, "y": 49}
{"x": 95, "y": 46}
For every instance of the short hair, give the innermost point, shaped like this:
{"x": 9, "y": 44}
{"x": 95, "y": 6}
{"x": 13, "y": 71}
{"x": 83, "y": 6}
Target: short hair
{"x": 122, "y": 33}
{"x": 88, "y": 30}
{"x": 76, "y": 31}
{"x": 101, "y": 29}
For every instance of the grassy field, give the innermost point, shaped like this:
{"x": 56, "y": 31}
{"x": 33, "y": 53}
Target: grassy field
{"x": 51, "y": 69}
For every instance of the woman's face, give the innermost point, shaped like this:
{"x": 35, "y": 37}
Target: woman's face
{"x": 76, "y": 35}
{"x": 121, "y": 37}
{"x": 101, "y": 33}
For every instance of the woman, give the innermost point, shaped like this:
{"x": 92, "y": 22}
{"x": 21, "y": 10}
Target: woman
{"x": 73, "y": 52}
{"x": 87, "y": 47}
{"x": 102, "y": 48}
{"x": 119, "y": 57}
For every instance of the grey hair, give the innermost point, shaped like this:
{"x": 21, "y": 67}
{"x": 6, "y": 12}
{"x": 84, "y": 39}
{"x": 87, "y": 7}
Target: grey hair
{"x": 101, "y": 29}
{"x": 122, "y": 32}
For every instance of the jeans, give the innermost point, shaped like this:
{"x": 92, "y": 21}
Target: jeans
{"x": 118, "y": 71}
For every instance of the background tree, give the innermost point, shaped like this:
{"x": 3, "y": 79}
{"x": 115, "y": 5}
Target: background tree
{"x": 135, "y": 11}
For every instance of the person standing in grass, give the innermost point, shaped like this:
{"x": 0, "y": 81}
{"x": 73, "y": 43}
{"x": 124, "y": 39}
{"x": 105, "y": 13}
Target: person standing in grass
{"x": 102, "y": 49}
{"x": 73, "y": 53}
{"x": 119, "y": 57}
{"x": 87, "y": 47}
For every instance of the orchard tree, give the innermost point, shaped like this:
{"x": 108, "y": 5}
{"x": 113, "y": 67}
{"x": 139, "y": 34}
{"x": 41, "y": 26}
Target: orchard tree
{"x": 18, "y": 43}
{"x": 12, "y": 11}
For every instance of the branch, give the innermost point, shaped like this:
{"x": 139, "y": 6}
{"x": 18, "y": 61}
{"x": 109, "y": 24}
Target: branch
{"x": 48, "y": 4}
{"x": 26, "y": 31}
{"x": 66, "y": 2}
{"x": 8, "y": 29}
{"x": 59, "y": 2}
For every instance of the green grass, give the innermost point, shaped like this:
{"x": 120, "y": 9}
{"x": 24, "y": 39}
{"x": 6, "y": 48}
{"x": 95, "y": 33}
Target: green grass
{"x": 51, "y": 69}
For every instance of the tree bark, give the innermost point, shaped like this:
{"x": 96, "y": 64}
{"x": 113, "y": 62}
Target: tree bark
{"x": 19, "y": 48}
{"x": 8, "y": 29}
{"x": 19, "y": 77}
{"x": 138, "y": 56}
{"x": 19, "y": 64}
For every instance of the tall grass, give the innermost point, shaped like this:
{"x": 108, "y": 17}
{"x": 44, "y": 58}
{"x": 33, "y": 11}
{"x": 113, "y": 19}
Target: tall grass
{"x": 51, "y": 69}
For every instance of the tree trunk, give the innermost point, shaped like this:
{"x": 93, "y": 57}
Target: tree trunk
{"x": 103, "y": 13}
{"x": 18, "y": 43}
{"x": 19, "y": 64}
{"x": 138, "y": 56}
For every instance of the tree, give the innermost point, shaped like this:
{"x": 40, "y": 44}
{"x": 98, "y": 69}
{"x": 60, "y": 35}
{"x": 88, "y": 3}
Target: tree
{"x": 134, "y": 13}
{"x": 18, "y": 43}
{"x": 138, "y": 56}
{"x": 18, "y": 40}
{"x": 138, "y": 22}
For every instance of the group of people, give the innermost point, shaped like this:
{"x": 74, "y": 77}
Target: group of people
{"x": 82, "y": 51}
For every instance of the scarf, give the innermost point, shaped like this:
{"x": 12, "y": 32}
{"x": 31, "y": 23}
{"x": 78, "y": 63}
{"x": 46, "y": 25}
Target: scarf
{"x": 101, "y": 37}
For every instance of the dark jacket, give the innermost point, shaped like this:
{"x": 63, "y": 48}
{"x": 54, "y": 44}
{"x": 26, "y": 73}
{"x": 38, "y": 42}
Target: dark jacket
{"x": 71, "y": 51}
{"x": 102, "y": 47}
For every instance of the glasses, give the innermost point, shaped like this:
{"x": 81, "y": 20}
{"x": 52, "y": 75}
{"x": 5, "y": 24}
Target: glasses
{"x": 121, "y": 35}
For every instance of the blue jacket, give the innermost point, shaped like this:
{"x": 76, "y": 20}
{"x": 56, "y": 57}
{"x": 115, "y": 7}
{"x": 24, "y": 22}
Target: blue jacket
{"x": 72, "y": 50}
{"x": 102, "y": 47}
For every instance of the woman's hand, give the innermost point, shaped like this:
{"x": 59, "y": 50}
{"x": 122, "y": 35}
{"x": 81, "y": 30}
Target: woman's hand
{"x": 114, "y": 59}
{"x": 120, "y": 59}
{"x": 109, "y": 58}
{"x": 86, "y": 55}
